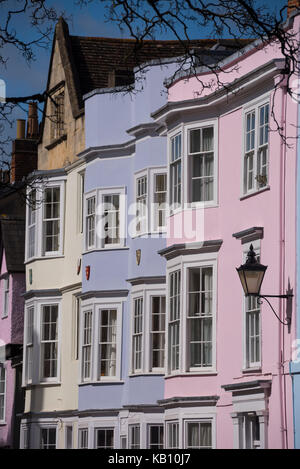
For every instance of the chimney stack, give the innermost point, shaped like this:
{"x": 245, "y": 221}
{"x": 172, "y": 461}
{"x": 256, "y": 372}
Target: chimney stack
{"x": 292, "y": 6}
{"x": 24, "y": 149}
{"x": 32, "y": 124}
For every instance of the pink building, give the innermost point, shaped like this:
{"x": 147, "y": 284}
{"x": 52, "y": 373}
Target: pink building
{"x": 232, "y": 179}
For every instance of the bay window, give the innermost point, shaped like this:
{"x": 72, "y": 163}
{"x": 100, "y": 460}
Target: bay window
{"x": 134, "y": 437}
{"x": 155, "y": 436}
{"x": 29, "y": 343}
{"x": 191, "y": 315}
{"x": 201, "y": 164}
{"x": 32, "y": 207}
{"x": 160, "y": 200}
{"x": 157, "y": 332}
{"x": 172, "y": 435}
{"x": 141, "y": 204}
{"x": 148, "y": 329}
{"x": 48, "y": 438}
{"x": 174, "y": 320}
{"x": 104, "y": 438}
{"x": 41, "y": 341}
{"x": 100, "y": 349}
{"x": 51, "y": 220}
{"x": 256, "y": 136}
{"x": 83, "y": 438}
{"x": 87, "y": 345}
{"x": 199, "y": 317}
{"x": 90, "y": 222}
{"x": 44, "y": 219}
{"x": 198, "y": 434}
{"x": 105, "y": 219}
{"x": 108, "y": 342}
{"x": 137, "y": 337}
{"x": 49, "y": 341}
{"x": 175, "y": 171}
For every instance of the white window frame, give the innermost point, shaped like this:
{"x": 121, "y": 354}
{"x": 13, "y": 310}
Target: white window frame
{"x": 84, "y": 428}
{"x": 88, "y": 217}
{"x": 185, "y": 166}
{"x": 44, "y": 426}
{"x": 143, "y": 421}
{"x": 254, "y": 106}
{"x": 150, "y": 224}
{"x": 176, "y": 132}
{"x": 37, "y": 377}
{"x": 95, "y": 306}
{"x": 146, "y": 292}
{"x": 183, "y": 263}
{"x": 6, "y": 295}
{"x": 197, "y": 421}
{"x": 184, "y": 415}
{"x": 3, "y": 368}
{"x": 96, "y": 429}
{"x": 187, "y": 186}
{"x": 39, "y": 251}
{"x": 149, "y": 425}
{"x": 131, "y": 428}
{"x": 91, "y": 424}
{"x": 99, "y": 241}
{"x": 168, "y": 425}
{"x": 246, "y": 362}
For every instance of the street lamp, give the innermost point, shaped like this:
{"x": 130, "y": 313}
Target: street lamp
{"x": 251, "y": 275}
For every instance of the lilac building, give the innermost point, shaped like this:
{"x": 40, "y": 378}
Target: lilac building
{"x": 123, "y": 292}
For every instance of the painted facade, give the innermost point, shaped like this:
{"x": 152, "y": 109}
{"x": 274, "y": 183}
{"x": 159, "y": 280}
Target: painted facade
{"x": 137, "y": 332}
{"x": 234, "y": 371}
{"x": 126, "y": 159}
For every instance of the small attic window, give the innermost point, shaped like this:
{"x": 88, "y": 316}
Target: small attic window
{"x": 120, "y": 77}
{"x": 58, "y": 115}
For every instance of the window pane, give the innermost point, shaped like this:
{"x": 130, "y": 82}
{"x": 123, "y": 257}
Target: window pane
{"x": 104, "y": 438}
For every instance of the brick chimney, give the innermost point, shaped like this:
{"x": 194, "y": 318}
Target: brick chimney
{"x": 24, "y": 149}
{"x": 292, "y": 6}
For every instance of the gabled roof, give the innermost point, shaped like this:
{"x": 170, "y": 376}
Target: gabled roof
{"x": 12, "y": 242}
{"x": 87, "y": 61}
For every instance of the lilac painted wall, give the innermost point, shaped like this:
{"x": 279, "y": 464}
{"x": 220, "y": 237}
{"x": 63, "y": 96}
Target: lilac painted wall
{"x": 107, "y": 119}
{"x": 274, "y": 210}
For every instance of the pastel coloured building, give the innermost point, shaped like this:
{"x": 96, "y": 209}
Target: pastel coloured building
{"x": 227, "y": 380}
{"x": 55, "y": 226}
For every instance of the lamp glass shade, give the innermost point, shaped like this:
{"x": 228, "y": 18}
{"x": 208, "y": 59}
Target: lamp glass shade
{"x": 251, "y": 280}
{"x": 251, "y": 274}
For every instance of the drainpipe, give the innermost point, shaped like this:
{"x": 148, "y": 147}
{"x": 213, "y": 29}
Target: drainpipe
{"x": 281, "y": 84}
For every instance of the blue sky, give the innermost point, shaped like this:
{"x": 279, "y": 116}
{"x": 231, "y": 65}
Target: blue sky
{"x": 23, "y": 79}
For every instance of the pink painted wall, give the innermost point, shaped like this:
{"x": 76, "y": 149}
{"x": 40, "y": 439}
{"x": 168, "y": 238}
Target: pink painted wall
{"x": 274, "y": 210}
{"x": 11, "y": 331}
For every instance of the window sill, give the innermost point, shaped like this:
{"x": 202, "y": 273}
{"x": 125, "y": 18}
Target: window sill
{"x": 254, "y": 369}
{"x": 2, "y": 424}
{"x": 118, "y": 248}
{"x": 192, "y": 373}
{"x": 42, "y": 383}
{"x": 101, "y": 383}
{"x": 143, "y": 373}
{"x": 56, "y": 141}
{"x": 251, "y": 194}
